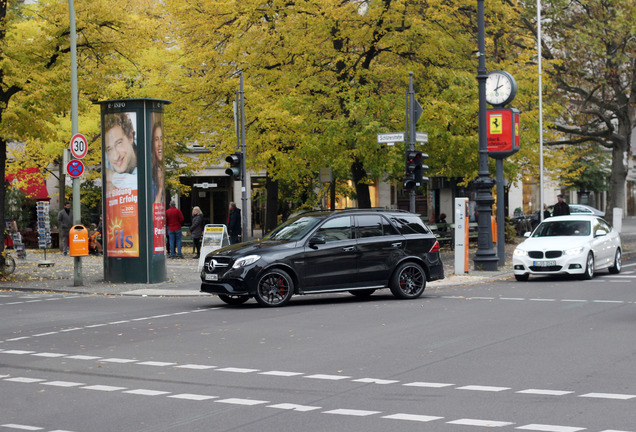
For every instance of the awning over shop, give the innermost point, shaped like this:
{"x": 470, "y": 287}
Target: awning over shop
{"x": 31, "y": 182}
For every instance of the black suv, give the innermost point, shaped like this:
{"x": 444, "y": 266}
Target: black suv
{"x": 358, "y": 251}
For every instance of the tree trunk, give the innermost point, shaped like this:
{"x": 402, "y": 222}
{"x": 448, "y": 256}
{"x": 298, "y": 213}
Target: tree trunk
{"x": 618, "y": 175}
{"x": 271, "y": 207}
{"x": 362, "y": 190}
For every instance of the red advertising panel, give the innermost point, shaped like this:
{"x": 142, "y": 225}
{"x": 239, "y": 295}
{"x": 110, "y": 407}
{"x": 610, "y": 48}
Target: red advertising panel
{"x": 122, "y": 194}
{"x": 502, "y": 132}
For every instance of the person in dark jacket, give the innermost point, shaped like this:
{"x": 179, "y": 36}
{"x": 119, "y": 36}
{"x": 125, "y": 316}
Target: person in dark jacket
{"x": 196, "y": 229}
{"x": 65, "y": 223}
{"x": 234, "y": 223}
{"x": 561, "y": 208}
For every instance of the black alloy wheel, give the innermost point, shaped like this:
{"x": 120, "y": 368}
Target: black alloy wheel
{"x": 274, "y": 288}
{"x": 409, "y": 281}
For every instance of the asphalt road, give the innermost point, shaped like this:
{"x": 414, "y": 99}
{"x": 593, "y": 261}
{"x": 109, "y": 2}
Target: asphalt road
{"x": 552, "y": 355}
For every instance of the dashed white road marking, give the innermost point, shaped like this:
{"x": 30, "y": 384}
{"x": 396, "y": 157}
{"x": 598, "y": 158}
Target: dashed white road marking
{"x": 327, "y": 377}
{"x": 50, "y": 355}
{"x": 428, "y": 384}
{"x": 237, "y": 401}
{"x": 156, "y": 363}
{"x": 104, "y": 388}
{"x": 375, "y": 381}
{"x": 237, "y": 370}
{"x": 294, "y": 407}
{"x": 609, "y": 396}
{"x": 482, "y": 423}
{"x": 412, "y": 417}
{"x": 25, "y": 380}
{"x": 351, "y": 412}
{"x": 550, "y": 428}
{"x": 483, "y": 388}
{"x": 195, "y": 366}
{"x": 83, "y": 357}
{"x": 63, "y": 384}
{"x": 281, "y": 373}
{"x": 194, "y": 397}
{"x": 145, "y": 392}
{"x": 21, "y": 427}
{"x": 545, "y": 392}
{"x": 117, "y": 360}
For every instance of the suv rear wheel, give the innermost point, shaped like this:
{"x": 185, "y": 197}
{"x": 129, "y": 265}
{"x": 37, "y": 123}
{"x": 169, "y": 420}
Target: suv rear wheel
{"x": 409, "y": 281}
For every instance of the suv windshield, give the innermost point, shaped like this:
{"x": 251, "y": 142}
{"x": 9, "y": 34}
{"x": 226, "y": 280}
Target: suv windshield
{"x": 294, "y": 229}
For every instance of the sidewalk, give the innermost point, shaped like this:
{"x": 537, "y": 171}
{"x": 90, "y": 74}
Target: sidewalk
{"x": 183, "y": 279}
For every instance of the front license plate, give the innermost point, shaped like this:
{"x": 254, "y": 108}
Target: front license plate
{"x": 211, "y": 277}
{"x": 544, "y": 263}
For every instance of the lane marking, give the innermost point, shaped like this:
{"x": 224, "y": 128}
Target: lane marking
{"x": 428, "y": 384}
{"x": 375, "y": 381}
{"x": 63, "y": 383}
{"x": 237, "y": 401}
{"x": 412, "y": 417}
{"x": 545, "y": 392}
{"x": 352, "y": 412}
{"x": 25, "y": 380}
{"x": 21, "y": 427}
{"x": 327, "y": 377}
{"x": 194, "y": 397}
{"x": 294, "y": 407}
{"x": 104, "y": 388}
{"x": 483, "y": 388}
{"x": 609, "y": 396}
{"x": 118, "y": 360}
{"x": 281, "y": 373}
{"x": 550, "y": 428}
{"x": 237, "y": 370}
{"x": 195, "y": 366}
{"x": 482, "y": 423}
{"x": 156, "y": 363}
{"x": 145, "y": 392}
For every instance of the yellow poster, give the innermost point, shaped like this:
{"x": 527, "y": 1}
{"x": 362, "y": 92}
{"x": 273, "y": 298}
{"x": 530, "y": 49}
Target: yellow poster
{"x": 496, "y": 124}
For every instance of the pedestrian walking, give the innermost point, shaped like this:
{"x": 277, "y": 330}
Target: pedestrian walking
{"x": 561, "y": 208}
{"x": 174, "y": 221}
{"x": 65, "y": 223}
{"x": 196, "y": 229}
{"x": 234, "y": 223}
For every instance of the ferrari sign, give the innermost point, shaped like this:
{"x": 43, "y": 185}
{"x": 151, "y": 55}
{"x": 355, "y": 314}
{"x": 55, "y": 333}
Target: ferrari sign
{"x": 503, "y": 132}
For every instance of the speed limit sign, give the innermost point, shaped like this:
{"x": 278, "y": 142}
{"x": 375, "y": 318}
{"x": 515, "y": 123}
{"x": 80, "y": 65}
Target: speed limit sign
{"x": 79, "y": 146}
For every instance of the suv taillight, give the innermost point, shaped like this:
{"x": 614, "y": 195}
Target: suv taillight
{"x": 435, "y": 247}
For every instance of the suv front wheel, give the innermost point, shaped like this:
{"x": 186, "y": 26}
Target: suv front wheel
{"x": 409, "y": 281}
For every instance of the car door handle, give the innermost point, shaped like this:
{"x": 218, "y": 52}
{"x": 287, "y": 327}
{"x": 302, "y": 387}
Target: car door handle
{"x": 396, "y": 245}
{"x": 349, "y": 249}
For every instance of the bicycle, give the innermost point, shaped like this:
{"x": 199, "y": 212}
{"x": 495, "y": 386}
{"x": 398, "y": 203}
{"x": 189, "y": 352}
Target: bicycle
{"x": 8, "y": 266}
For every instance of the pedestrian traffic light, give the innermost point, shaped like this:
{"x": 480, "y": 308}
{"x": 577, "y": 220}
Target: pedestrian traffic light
{"x": 414, "y": 169}
{"x": 235, "y": 166}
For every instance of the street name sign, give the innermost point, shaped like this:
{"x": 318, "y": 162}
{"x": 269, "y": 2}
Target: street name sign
{"x": 390, "y": 138}
{"x": 421, "y": 137}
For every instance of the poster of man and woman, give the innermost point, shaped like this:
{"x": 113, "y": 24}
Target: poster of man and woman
{"x": 122, "y": 184}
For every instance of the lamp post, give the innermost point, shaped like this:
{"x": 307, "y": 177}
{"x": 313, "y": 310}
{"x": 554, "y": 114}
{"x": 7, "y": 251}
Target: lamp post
{"x": 486, "y": 257}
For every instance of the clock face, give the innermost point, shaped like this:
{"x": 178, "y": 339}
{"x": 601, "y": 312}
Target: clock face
{"x": 501, "y": 88}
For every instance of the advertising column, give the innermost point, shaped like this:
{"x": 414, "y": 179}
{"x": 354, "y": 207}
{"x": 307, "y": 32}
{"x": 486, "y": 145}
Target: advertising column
{"x": 133, "y": 190}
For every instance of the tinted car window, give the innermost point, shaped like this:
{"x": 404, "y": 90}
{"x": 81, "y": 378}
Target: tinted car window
{"x": 409, "y": 224}
{"x": 294, "y": 229}
{"x": 336, "y": 229}
{"x": 369, "y": 226}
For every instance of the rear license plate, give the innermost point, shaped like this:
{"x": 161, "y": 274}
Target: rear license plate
{"x": 544, "y": 263}
{"x": 211, "y": 277}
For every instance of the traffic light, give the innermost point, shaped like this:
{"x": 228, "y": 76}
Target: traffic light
{"x": 235, "y": 166}
{"x": 414, "y": 169}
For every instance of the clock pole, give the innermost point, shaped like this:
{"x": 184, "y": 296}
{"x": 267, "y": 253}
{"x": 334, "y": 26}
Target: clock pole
{"x": 486, "y": 257}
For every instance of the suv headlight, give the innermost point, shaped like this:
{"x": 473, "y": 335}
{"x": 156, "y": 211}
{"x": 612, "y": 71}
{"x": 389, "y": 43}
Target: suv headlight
{"x": 245, "y": 261}
{"x": 574, "y": 251}
{"x": 520, "y": 252}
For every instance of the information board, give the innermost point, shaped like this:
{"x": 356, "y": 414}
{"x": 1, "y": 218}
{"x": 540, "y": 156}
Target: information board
{"x": 214, "y": 237}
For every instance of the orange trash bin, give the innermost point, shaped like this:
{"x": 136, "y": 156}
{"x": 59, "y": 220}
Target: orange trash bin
{"x": 78, "y": 241}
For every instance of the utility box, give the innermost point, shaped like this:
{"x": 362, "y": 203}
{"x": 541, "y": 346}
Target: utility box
{"x": 78, "y": 241}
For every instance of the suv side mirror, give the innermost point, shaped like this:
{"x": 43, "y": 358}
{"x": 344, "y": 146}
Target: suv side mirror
{"x": 316, "y": 240}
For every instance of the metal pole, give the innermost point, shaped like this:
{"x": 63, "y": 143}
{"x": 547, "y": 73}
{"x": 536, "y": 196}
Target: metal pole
{"x": 243, "y": 165}
{"x": 410, "y": 133}
{"x": 501, "y": 221}
{"x": 485, "y": 258}
{"x": 77, "y": 217}
{"x": 541, "y": 196}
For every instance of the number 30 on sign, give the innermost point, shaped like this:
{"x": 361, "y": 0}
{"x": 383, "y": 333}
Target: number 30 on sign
{"x": 79, "y": 146}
